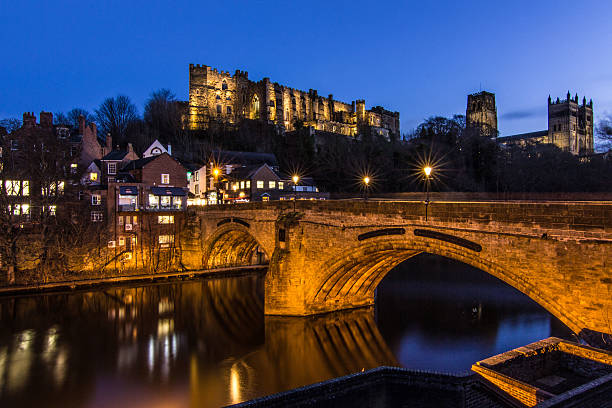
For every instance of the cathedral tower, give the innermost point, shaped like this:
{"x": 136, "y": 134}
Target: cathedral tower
{"x": 481, "y": 114}
{"x": 570, "y": 124}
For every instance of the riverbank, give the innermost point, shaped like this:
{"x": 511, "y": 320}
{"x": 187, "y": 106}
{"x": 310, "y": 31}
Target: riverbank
{"x": 97, "y": 283}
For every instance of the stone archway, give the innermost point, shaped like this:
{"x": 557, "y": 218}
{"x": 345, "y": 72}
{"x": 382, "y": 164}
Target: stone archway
{"x": 350, "y": 280}
{"x": 232, "y": 245}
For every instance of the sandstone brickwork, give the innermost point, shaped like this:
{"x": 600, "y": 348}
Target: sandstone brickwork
{"x": 219, "y": 97}
{"x": 332, "y": 255}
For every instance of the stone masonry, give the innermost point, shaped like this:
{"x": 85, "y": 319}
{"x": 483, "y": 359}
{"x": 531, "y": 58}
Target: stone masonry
{"x": 332, "y": 255}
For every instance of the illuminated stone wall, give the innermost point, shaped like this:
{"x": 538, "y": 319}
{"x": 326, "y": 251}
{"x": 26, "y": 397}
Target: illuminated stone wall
{"x": 329, "y": 256}
{"x": 219, "y": 97}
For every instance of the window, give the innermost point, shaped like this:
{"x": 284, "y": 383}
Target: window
{"x": 224, "y": 85}
{"x": 272, "y": 184}
{"x": 219, "y": 109}
{"x": 165, "y": 179}
{"x": 260, "y": 184}
{"x": 197, "y": 189}
{"x": 280, "y": 185}
{"x": 153, "y": 201}
{"x": 165, "y": 201}
{"x": 93, "y": 176}
{"x": 177, "y": 202}
{"x": 120, "y": 220}
{"x": 121, "y": 241}
{"x": 135, "y": 220}
{"x": 73, "y": 168}
{"x": 242, "y": 184}
{"x": 52, "y": 210}
{"x": 229, "y": 110}
{"x": 166, "y": 239}
{"x": 112, "y": 168}
{"x": 96, "y": 199}
{"x": 96, "y": 216}
{"x": 165, "y": 219}
{"x": 248, "y": 184}
{"x": 219, "y": 97}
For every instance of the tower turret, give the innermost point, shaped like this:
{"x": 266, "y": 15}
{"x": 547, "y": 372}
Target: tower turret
{"x": 481, "y": 114}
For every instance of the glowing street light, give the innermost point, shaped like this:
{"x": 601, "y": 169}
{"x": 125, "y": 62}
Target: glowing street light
{"x": 215, "y": 173}
{"x": 296, "y": 180}
{"x": 366, "y": 184}
{"x": 427, "y": 170}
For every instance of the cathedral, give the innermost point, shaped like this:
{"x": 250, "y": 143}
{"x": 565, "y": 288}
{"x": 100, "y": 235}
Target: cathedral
{"x": 570, "y": 123}
{"x": 219, "y": 97}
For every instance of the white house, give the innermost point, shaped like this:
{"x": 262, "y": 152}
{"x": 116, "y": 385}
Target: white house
{"x": 156, "y": 149}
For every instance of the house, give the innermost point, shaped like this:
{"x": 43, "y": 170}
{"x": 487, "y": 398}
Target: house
{"x": 252, "y": 183}
{"x": 115, "y": 160}
{"x": 157, "y": 148}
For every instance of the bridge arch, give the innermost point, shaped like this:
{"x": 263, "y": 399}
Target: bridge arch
{"x": 233, "y": 244}
{"x": 353, "y": 276}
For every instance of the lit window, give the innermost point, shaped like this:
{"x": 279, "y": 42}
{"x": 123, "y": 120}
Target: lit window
{"x": 166, "y": 239}
{"x": 177, "y": 202}
{"x": 248, "y": 184}
{"x": 121, "y": 241}
{"x": 52, "y": 209}
{"x": 96, "y": 216}
{"x": 73, "y": 168}
{"x": 112, "y": 168}
{"x": 280, "y": 185}
{"x": 272, "y": 184}
{"x": 135, "y": 220}
{"x": 260, "y": 184}
{"x": 11, "y": 187}
{"x": 165, "y": 219}
{"x": 96, "y": 199}
{"x": 153, "y": 201}
{"x": 120, "y": 220}
{"x": 165, "y": 179}
{"x": 165, "y": 201}
{"x": 93, "y": 176}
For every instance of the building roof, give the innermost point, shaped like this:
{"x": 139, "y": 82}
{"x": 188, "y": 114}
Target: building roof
{"x": 117, "y": 155}
{"x": 245, "y": 158}
{"x": 139, "y": 164}
{"x": 521, "y": 136}
{"x": 168, "y": 191}
{"x": 244, "y": 173}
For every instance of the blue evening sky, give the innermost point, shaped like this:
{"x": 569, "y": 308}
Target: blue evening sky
{"x": 420, "y": 58}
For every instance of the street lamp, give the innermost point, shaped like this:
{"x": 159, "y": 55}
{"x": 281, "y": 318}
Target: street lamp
{"x": 427, "y": 170}
{"x": 366, "y": 183}
{"x": 216, "y": 173}
{"x": 295, "y": 180}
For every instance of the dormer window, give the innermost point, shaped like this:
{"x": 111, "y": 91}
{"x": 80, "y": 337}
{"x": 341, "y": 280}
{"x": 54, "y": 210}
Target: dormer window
{"x": 112, "y": 168}
{"x": 165, "y": 179}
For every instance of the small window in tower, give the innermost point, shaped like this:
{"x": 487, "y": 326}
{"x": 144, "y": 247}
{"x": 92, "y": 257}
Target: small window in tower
{"x": 229, "y": 110}
{"x": 218, "y": 97}
{"x": 218, "y": 108}
{"x": 224, "y": 85}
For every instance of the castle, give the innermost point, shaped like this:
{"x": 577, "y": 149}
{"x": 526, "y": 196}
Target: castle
{"x": 570, "y": 124}
{"x": 219, "y": 97}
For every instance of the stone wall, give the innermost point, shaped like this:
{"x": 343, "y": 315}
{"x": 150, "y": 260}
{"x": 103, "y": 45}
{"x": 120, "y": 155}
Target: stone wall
{"x": 332, "y": 255}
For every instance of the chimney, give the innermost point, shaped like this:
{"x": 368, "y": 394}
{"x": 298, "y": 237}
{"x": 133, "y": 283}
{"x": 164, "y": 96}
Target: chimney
{"x": 130, "y": 148}
{"x": 169, "y": 150}
{"x": 81, "y": 124}
{"x": 94, "y": 130}
{"x": 109, "y": 143}
{"x": 29, "y": 120}
{"x": 46, "y": 119}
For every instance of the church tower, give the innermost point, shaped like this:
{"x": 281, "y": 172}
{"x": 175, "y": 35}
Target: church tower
{"x": 481, "y": 114}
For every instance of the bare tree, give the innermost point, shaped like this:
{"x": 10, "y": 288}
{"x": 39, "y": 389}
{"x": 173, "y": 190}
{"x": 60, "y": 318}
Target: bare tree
{"x": 115, "y": 115}
{"x": 604, "y": 133}
{"x": 10, "y": 124}
{"x": 72, "y": 117}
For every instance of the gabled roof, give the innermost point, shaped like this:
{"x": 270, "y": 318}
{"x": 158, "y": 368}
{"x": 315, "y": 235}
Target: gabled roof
{"x": 139, "y": 164}
{"x": 247, "y": 172}
{"x": 244, "y": 158}
{"x": 115, "y": 155}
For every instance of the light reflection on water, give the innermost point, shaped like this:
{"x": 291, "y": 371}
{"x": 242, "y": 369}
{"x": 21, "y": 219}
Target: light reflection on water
{"x": 207, "y": 343}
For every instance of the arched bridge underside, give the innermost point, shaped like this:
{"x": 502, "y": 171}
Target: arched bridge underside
{"x": 329, "y": 256}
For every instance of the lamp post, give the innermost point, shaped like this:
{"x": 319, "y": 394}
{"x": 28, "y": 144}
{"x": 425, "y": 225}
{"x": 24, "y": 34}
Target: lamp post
{"x": 215, "y": 173}
{"x": 427, "y": 170}
{"x": 366, "y": 184}
{"x": 295, "y": 180}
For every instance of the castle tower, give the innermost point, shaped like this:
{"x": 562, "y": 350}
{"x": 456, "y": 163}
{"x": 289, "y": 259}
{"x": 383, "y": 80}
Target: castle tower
{"x": 481, "y": 114}
{"x": 570, "y": 124}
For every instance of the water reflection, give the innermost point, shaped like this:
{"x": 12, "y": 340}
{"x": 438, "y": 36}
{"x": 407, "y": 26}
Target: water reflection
{"x": 207, "y": 343}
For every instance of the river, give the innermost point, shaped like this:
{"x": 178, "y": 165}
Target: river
{"x": 206, "y": 343}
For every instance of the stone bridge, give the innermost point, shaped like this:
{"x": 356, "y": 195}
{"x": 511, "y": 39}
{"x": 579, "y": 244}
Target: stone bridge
{"x": 331, "y": 255}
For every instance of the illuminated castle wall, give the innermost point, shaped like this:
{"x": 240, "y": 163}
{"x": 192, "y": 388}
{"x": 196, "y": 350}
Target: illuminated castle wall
{"x": 219, "y": 97}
